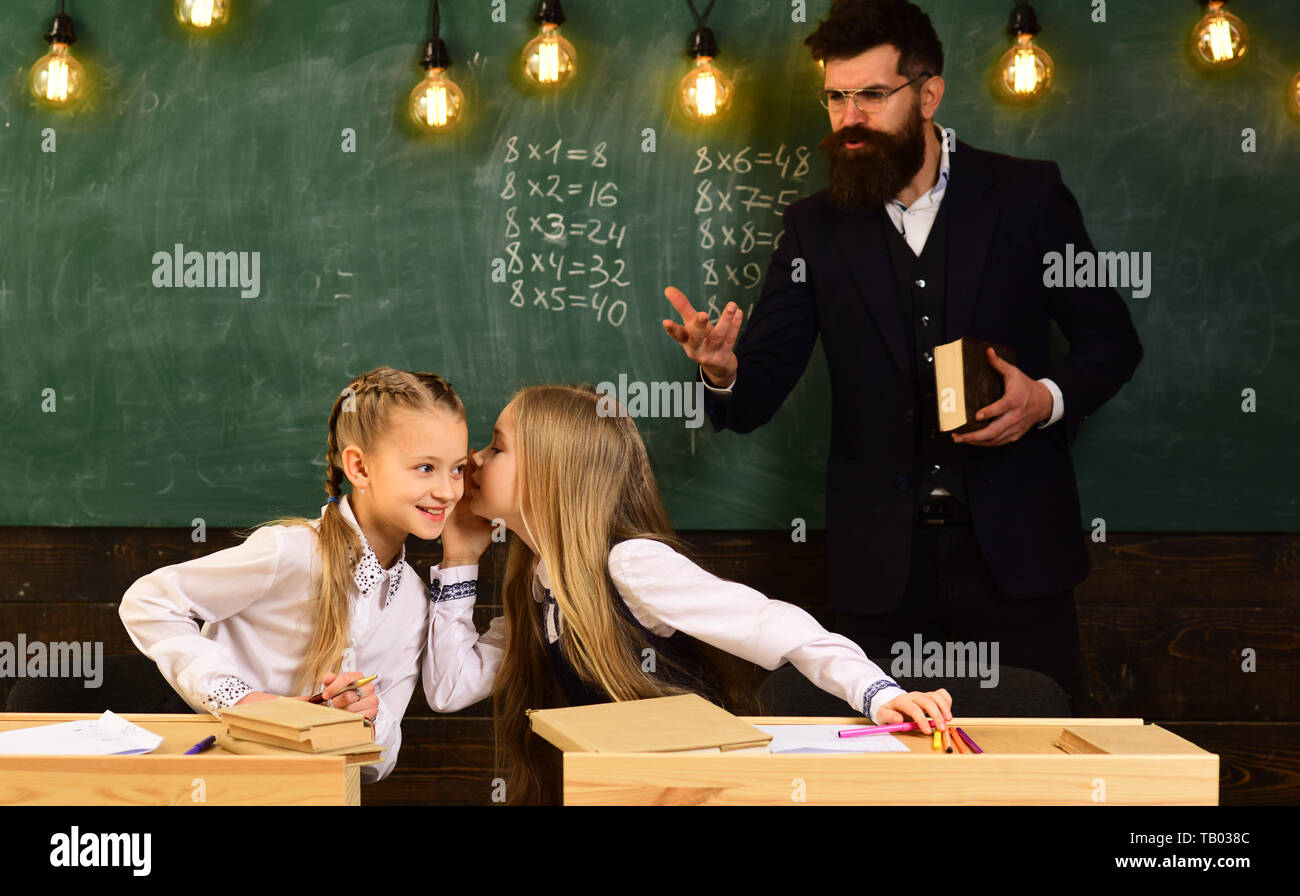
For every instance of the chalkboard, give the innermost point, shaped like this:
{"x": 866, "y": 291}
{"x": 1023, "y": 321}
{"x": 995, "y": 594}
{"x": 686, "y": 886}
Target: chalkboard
{"x": 174, "y": 403}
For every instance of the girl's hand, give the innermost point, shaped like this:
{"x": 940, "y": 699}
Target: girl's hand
{"x": 340, "y": 695}
{"x": 256, "y": 697}
{"x": 914, "y": 706}
{"x": 465, "y": 536}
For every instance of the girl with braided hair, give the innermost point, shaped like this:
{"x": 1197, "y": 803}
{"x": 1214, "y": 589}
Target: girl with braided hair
{"x": 305, "y": 605}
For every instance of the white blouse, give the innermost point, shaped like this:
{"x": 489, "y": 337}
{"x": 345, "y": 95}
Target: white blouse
{"x": 256, "y": 601}
{"x": 666, "y": 593}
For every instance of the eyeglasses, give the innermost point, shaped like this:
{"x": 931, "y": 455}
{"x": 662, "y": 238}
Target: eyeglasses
{"x": 867, "y": 99}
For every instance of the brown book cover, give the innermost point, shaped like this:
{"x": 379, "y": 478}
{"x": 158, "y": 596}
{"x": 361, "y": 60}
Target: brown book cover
{"x": 316, "y": 742}
{"x": 1123, "y": 740}
{"x": 296, "y": 724}
{"x": 965, "y": 382}
{"x": 360, "y": 754}
{"x": 657, "y": 725}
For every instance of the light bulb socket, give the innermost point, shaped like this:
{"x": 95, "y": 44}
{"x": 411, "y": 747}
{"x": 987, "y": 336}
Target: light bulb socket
{"x": 702, "y": 43}
{"x": 550, "y": 13}
{"x": 61, "y": 31}
{"x": 435, "y": 54}
{"x": 1024, "y": 21}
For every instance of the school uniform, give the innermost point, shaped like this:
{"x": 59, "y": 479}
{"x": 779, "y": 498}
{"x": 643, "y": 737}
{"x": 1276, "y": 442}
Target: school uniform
{"x": 664, "y": 594}
{"x": 256, "y": 602}
{"x": 459, "y": 665}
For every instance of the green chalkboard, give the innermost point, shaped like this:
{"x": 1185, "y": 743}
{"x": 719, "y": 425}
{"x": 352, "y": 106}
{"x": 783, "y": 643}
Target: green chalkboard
{"x": 175, "y": 403}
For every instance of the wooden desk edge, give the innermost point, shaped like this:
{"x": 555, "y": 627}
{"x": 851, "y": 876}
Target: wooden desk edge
{"x": 52, "y": 717}
{"x": 959, "y": 721}
{"x": 211, "y": 759}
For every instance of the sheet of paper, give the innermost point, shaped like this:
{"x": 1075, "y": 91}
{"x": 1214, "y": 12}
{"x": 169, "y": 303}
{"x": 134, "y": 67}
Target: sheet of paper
{"x": 826, "y": 739}
{"x": 108, "y": 735}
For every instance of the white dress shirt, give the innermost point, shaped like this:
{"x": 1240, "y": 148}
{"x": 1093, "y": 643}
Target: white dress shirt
{"x": 257, "y": 600}
{"x": 914, "y": 223}
{"x": 666, "y": 593}
{"x": 459, "y": 665}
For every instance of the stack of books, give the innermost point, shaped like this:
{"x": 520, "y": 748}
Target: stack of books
{"x": 279, "y": 725}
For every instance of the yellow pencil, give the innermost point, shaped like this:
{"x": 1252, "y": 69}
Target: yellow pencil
{"x": 356, "y": 685}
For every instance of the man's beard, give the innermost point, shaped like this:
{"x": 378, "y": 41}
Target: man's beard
{"x": 877, "y": 171}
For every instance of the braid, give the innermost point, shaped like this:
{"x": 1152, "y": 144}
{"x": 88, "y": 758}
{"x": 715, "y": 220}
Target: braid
{"x": 441, "y": 391}
{"x": 333, "y": 467}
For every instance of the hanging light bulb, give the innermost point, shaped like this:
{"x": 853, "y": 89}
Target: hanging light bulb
{"x": 1219, "y": 39}
{"x": 437, "y": 104}
{"x": 705, "y": 93}
{"x": 203, "y": 16}
{"x": 1025, "y": 71}
{"x": 549, "y": 59}
{"x": 57, "y": 80}
{"x": 1293, "y": 97}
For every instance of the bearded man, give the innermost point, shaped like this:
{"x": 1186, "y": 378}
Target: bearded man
{"x": 918, "y": 241}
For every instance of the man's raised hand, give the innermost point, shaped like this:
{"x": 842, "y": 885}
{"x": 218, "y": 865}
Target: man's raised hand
{"x": 708, "y": 345}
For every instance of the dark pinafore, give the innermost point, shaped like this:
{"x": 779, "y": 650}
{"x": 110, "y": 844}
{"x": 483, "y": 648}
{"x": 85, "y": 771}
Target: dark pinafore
{"x": 678, "y": 659}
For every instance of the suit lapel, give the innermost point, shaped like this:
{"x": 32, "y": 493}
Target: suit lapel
{"x": 971, "y": 221}
{"x": 861, "y": 238}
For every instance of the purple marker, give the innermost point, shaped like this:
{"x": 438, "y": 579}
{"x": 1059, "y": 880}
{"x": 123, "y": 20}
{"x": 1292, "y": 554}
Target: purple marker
{"x": 202, "y": 745}
{"x": 970, "y": 743}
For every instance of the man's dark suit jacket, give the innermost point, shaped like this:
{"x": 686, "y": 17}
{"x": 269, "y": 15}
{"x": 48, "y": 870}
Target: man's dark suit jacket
{"x": 1005, "y": 215}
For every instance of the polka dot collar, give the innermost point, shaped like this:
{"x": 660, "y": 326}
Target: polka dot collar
{"x": 369, "y": 571}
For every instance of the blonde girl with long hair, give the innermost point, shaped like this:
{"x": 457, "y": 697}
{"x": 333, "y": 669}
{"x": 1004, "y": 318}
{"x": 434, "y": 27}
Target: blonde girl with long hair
{"x": 601, "y": 604}
{"x": 309, "y": 604}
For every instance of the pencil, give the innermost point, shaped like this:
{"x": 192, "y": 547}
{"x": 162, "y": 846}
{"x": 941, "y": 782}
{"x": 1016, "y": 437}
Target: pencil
{"x": 360, "y": 682}
{"x": 959, "y": 744}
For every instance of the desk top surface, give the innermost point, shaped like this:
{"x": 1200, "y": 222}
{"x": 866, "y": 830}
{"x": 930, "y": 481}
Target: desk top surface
{"x": 179, "y": 732}
{"x": 994, "y": 735}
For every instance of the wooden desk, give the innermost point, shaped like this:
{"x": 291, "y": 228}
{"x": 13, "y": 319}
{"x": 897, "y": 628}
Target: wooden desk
{"x": 166, "y": 777}
{"x": 1020, "y": 766}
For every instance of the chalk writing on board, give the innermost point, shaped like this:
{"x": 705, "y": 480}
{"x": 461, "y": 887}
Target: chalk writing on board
{"x": 740, "y": 197}
{"x": 563, "y": 238}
